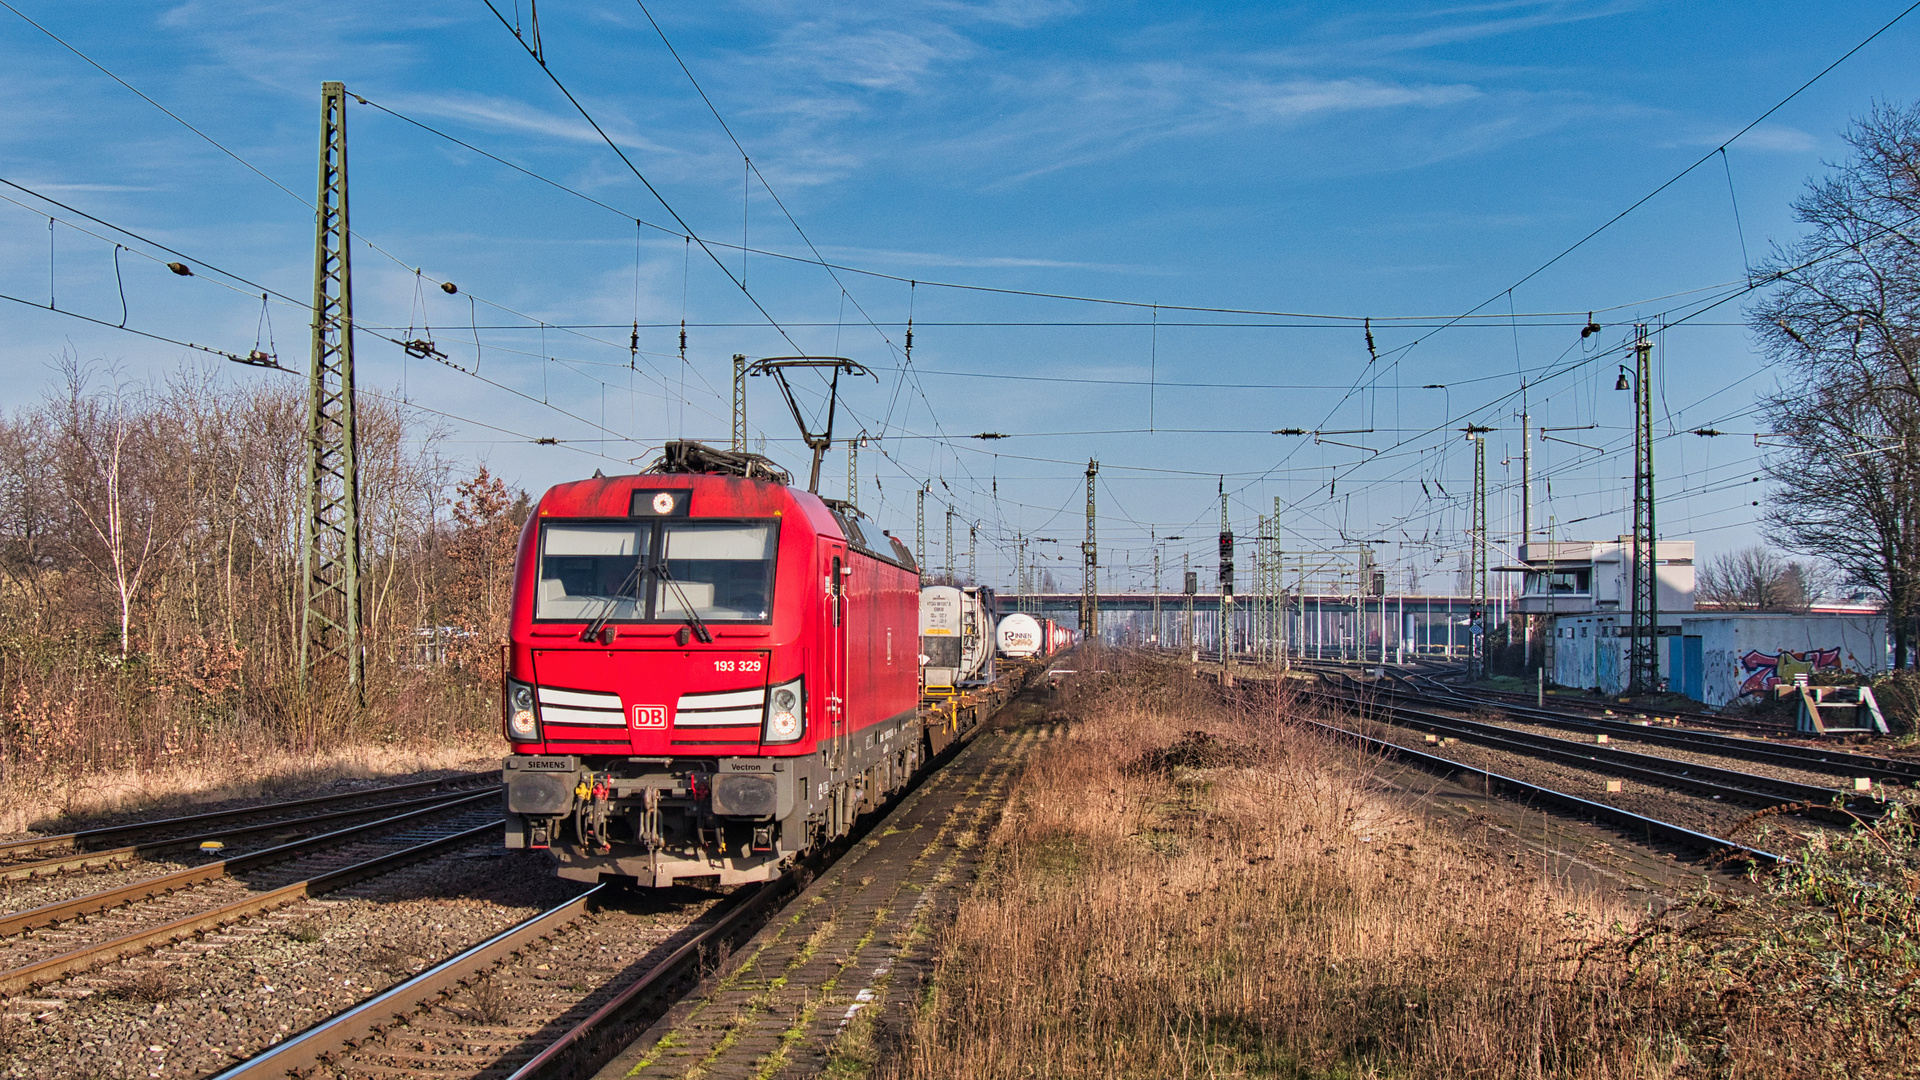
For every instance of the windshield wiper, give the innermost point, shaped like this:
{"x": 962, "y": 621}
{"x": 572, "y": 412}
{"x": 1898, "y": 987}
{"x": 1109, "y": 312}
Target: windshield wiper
{"x": 693, "y": 617}
{"x": 600, "y": 621}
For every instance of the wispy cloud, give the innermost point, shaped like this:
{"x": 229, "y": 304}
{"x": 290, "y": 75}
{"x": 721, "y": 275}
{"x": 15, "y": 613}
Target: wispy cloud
{"x": 1294, "y": 99}
{"x": 1765, "y": 138}
{"x": 1358, "y": 36}
{"x": 56, "y": 187}
{"x": 1082, "y": 118}
{"x": 875, "y": 58}
{"x": 497, "y": 114}
{"x": 888, "y": 257}
{"x": 834, "y": 74}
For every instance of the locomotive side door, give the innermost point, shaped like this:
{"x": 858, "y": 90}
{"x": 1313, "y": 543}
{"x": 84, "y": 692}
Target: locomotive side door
{"x": 832, "y": 694}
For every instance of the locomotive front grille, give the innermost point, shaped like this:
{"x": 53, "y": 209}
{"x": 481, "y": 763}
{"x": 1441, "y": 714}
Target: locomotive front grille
{"x": 731, "y": 708}
{"x": 580, "y": 707}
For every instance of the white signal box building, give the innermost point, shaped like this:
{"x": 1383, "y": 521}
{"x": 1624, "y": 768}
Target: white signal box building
{"x": 1715, "y": 657}
{"x": 1594, "y": 577}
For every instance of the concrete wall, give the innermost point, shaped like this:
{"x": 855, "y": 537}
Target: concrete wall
{"x": 1720, "y": 657}
{"x": 1740, "y": 654}
{"x": 1588, "y": 654}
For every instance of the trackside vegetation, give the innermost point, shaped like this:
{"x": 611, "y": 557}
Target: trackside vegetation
{"x": 1182, "y": 888}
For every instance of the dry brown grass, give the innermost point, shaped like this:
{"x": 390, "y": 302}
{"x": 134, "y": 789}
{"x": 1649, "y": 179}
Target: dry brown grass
{"x": 148, "y": 986}
{"x": 490, "y": 1002}
{"x": 39, "y": 798}
{"x": 1270, "y": 915}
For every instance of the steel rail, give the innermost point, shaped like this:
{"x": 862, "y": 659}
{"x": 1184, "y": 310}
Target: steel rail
{"x": 1707, "y": 780}
{"x": 1432, "y": 685}
{"x": 52, "y": 968}
{"x": 1430, "y": 682}
{"x": 1815, "y": 759}
{"x": 22, "y": 871}
{"x": 589, "y": 1035}
{"x": 1651, "y": 827}
{"x": 343, "y": 1029}
{"x": 108, "y": 899}
{"x": 113, "y": 833}
{"x": 325, "y": 1040}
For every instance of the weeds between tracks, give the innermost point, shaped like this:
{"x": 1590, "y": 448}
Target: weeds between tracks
{"x": 1184, "y": 889}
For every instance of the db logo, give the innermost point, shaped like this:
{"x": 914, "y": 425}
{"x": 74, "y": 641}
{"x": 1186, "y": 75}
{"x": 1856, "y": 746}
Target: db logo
{"x": 649, "y": 716}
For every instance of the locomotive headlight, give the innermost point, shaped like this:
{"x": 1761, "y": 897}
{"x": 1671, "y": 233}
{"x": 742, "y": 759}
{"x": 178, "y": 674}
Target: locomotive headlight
{"x": 786, "y": 713}
{"x": 522, "y": 724}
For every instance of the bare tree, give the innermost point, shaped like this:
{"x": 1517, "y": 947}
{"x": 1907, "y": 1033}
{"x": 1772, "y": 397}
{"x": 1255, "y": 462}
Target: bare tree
{"x": 1758, "y": 579}
{"x": 1843, "y": 326}
{"x": 117, "y": 476}
{"x": 30, "y": 513}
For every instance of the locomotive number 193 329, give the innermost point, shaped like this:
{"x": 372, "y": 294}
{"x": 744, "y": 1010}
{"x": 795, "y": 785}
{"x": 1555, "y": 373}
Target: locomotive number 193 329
{"x": 698, "y": 681}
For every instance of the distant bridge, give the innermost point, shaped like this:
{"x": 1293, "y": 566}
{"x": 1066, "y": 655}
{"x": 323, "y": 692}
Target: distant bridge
{"x": 1314, "y": 624}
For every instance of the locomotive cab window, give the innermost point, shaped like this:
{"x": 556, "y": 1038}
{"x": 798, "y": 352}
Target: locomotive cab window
{"x": 585, "y": 567}
{"x": 724, "y": 571}
{"x": 648, "y": 571}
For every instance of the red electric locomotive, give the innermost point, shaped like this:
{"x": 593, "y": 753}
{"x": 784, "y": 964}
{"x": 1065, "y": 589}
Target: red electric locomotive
{"x": 709, "y": 671}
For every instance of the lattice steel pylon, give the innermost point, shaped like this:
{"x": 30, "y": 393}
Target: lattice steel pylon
{"x": 1477, "y": 573}
{"x": 949, "y": 547}
{"x": 920, "y": 531}
{"x": 739, "y": 403}
{"x": 973, "y": 567}
{"x": 1020, "y": 575}
{"x": 1643, "y": 654}
{"x": 330, "y": 524}
{"x": 1090, "y": 565}
{"x": 853, "y": 473}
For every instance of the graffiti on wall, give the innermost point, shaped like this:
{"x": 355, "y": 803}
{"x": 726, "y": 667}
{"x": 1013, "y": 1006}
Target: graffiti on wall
{"x": 1767, "y": 670}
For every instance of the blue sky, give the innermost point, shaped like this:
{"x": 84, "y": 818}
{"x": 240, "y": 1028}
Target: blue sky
{"x": 1395, "y": 162}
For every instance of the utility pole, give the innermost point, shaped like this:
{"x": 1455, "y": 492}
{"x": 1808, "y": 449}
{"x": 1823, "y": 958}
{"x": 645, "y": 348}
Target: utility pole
{"x": 1526, "y": 514}
{"x": 330, "y": 552}
{"x": 1226, "y": 590}
{"x": 1280, "y": 587}
{"x": 740, "y": 403}
{"x": 1155, "y": 541}
{"x": 1188, "y": 586}
{"x": 973, "y": 572}
{"x": 1364, "y": 567}
{"x": 1477, "y": 574}
{"x": 1090, "y": 565}
{"x": 1643, "y": 655}
{"x": 920, "y": 531}
{"x": 949, "y": 547}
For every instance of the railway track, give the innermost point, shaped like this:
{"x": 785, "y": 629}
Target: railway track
{"x": 286, "y": 829}
{"x": 1431, "y": 680}
{"x": 1836, "y": 805}
{"x": 54, "y": 941}
{"x": 575, "y": 975}
{"x": 64, "y": 852}
{"x": 1789, "y": 755}
{"x": 1644, "y": 828}
{"x": 572, "y": 986}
